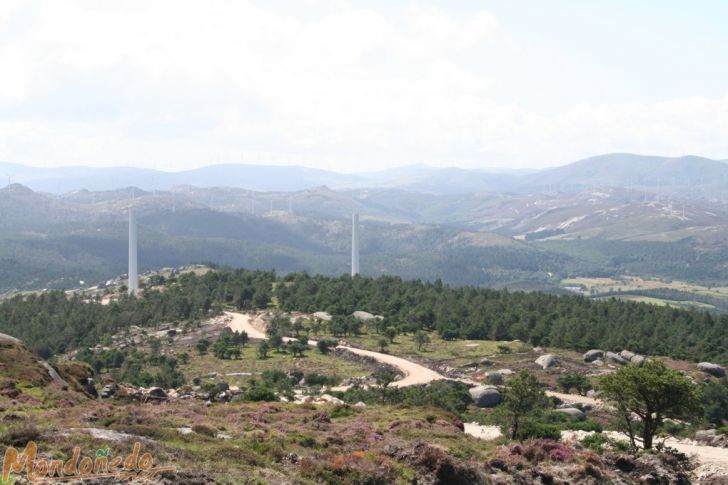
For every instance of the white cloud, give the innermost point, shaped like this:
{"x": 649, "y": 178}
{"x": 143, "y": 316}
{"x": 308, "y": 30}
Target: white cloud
{"x": 173, "y": 84}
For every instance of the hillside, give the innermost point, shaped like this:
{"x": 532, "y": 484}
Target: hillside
{"x": 225, "y": 410}
{"x": 683, "y": 174}
{"x": 519, "y": 241}
{"x": 688, "y": 176}
{"x": 82, "y": 237}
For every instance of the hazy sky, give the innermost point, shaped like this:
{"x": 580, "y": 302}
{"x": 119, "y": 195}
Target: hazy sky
{"x": 359, "y": 85}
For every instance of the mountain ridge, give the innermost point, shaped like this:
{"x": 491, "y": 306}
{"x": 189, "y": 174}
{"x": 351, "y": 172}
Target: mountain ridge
{"x": 685, "y": 174}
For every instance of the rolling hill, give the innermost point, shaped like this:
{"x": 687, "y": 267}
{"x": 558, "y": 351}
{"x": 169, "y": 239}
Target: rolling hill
{"x": 688, "y": 176}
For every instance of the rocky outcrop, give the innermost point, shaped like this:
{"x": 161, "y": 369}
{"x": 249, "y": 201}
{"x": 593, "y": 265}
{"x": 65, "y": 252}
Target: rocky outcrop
{"x": 435, "y": 466}
{"x": 592, "y": 355}
{"x": 9, "y": 338}
{"x": 486, "y": 396}
{"x": 710, "y": 437}
{"x": 108, "y": 391}
{"x": 712, "y": 369}
{"x": 546, "y": 361}
{"x": 637, "y": 360}
{"x": 324, "y": 316}
{"x": 364, "y": 316}
{"x": 650, "y": 469}
{"x": 627, "y": 355}
{"x": 616, "y": 358}
{"x": 572, "y": 412}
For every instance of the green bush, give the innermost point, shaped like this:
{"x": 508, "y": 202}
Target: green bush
{"x": 574, "y": 380}
{"x": 495, "y": 378}
{"x": 673, "y": 428}
{"x": 567, "y": 423}
{"x": 531, "y": 428}
{"x": 320, "y": 380}
{"x": 21, "y": 435}
{"x": 342, "y": 411}
{"x": 326, "y": 344}
{"x": 204, "y": 430}
{"x": 449, "y": 395}
{"x": 504, "y": 349}
{"x": 596, "y": 441}
{"x": 258, "y": 393}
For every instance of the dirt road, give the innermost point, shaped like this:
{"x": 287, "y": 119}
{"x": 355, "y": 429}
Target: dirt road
{"x": 251, "y": 324}
{"x": 415, "y": 374}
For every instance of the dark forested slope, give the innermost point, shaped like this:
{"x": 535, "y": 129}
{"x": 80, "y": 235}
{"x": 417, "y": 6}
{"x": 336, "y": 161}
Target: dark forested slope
{"x": 52, "y": 323}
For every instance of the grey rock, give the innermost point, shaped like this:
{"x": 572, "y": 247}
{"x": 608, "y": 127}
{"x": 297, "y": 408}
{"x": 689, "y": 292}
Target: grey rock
{"x": 572, "y": 412}
{"x": 592, "y": 355}
{"x": 9, "y": 338}
{"x": 705, "y": 435}
{"x": 486, "y": 396}
{"x": 363, "y": 316}
{"x": 616, "y": 358}
{"x": 593, "y": 394}
{"x": 157, "y": 393}
{"x": 638, "y": 360}
{"x": 627, "y": 355}
{"x": 546, "y": 361}
{"x": 108, "y": 391}
{"x": 712, "y": 369}
{"x": 325, "y": 316}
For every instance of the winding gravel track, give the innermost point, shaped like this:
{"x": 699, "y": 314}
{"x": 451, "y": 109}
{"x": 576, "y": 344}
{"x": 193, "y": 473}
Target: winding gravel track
{"x": 415, "y": 374}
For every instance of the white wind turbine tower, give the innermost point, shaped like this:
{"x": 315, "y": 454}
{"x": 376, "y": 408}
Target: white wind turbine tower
{"x": 133, "y": 284}
{"x": 354, "y": 244}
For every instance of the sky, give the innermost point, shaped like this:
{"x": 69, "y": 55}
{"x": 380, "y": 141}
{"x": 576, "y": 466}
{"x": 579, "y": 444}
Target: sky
{"x": 353, "y": 86}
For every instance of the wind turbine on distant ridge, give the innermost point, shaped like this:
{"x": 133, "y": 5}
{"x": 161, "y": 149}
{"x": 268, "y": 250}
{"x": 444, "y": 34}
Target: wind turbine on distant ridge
{"x": 133, "y": 284}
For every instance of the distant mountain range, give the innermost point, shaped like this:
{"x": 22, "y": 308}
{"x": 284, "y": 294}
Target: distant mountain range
{"x": 519, "y": 240}
{"x": 685, "y": 176}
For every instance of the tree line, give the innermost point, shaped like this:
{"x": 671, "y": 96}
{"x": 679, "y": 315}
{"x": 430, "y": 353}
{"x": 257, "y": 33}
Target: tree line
{"x": 52, "y": 322}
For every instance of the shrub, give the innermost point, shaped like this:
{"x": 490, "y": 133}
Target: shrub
{"x": 504, "y": 349}
{"x": 257, "y": 393}
{"x": 539, "y": 450}
{"x": 585, "y": 425}
{"x": 20, "y": 436}
{"x": 495, "y": 378}
{"x": 596, "y": 441}
{"x": 565, "y": 422}
{"x": 205, "y": 430}
{"x": 326, "y": 344}
{"x": 320, "y": 380}
{"x": 672, "y": 427}
{"x": 574, "y": 380}
{"x": 532, "y": 429}
{"x": 308, "y": 442}
{"x": 342, "y": 411}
